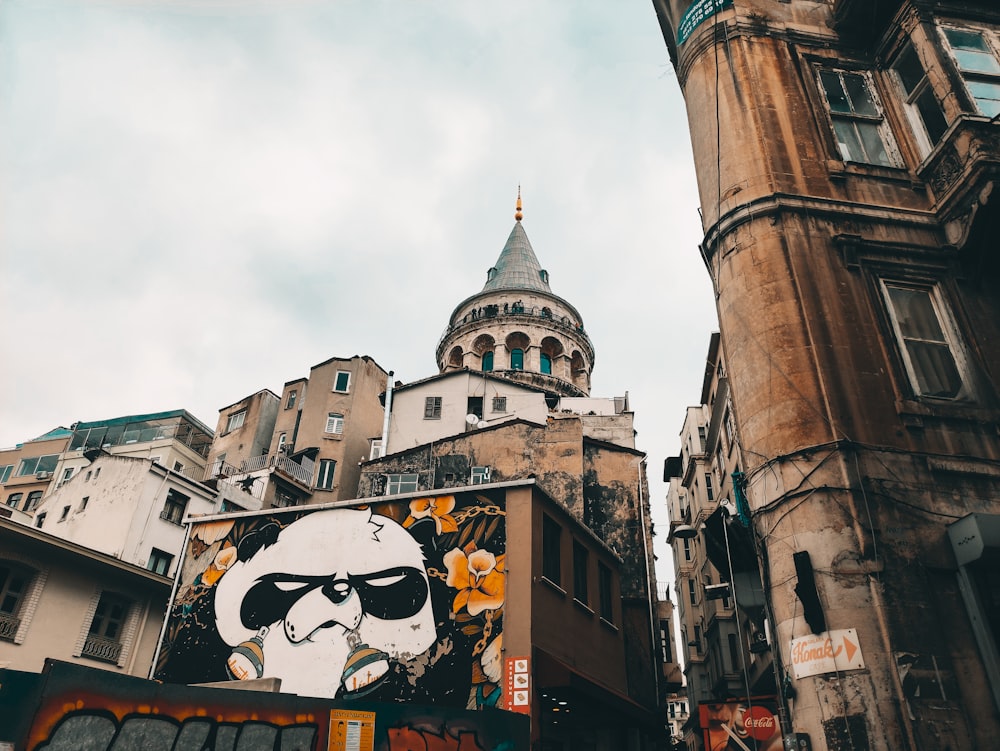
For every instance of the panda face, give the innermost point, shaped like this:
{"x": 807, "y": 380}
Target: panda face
{"x": 329, "y": 580}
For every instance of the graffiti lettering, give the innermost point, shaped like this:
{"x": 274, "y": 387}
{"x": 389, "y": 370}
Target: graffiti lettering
{"x": 410, "y": 739}
{"x": 100, "y": 731}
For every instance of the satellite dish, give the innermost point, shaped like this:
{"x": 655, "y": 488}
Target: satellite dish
{"x": 481, "y": 424}
{"x": 472, "y": 419}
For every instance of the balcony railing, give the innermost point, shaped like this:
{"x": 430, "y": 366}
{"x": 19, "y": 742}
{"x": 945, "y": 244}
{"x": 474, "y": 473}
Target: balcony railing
{"x": 8, "y": 627}
{"x": 99, "y": 648}
{"x": 236, "y": 475}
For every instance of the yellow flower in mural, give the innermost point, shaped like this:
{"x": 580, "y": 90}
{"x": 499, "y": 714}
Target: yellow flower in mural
{"x": 439, "y": 509}
{"x": 223, "y": 560}
{"x": 478, "y": 575}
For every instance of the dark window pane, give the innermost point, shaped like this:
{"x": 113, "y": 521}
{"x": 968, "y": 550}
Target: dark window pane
{"x": 861, "y": 98}
{"x": 872, "y": 140}
{"x": 834, "y": 92}
{"x": 910, "y": 71}
{"x": 931, "y": 114}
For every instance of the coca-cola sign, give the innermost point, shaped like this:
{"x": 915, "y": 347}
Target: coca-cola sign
{"x": 759, "y": 723}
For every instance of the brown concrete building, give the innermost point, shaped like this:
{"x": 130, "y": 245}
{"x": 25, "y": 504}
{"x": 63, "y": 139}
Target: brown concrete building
{"x": 846, "y": 155}
{"x": 304, "y": 446}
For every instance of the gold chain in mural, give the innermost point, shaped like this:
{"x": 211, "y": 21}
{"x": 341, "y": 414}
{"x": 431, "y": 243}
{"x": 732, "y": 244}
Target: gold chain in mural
{"x": 474, "y": 511}
{"x": 487, "y": 631}
{"x": 433, "y": 572}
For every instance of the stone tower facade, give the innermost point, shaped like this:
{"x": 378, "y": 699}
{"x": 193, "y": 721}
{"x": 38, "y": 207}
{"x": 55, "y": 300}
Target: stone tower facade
{"x": 518, "y": 328}
{"x": 847, "y": 153}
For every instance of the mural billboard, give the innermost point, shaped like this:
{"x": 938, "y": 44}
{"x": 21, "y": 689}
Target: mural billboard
{"x": 397, "y": 601}
{"x": 70, "y": 707}
{"x": 741, "y": 725}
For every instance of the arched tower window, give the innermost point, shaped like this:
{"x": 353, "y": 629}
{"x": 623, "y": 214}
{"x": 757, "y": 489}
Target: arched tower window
{"x": 483, "y": 346}
{"x": 517, "y": 342}
{"x": 455, "y": 357}
{"x": 546, "y": 364}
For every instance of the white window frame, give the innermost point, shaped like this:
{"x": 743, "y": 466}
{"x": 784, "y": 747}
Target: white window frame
{"x": 325, "y": 473}
{"x": 854, "y": 117}
{"x": 336, "y": 380}
{"x": 989, "y": 77}
{"x": 334, "y": 424}
{"x": 949, "y": 330}
{"x": 911, "y": 100}
{"x": 236, "y": 420}
{"x": 480, "y": 475}
{"x": 402, "y": 482}
{"x": 432, "y": 407}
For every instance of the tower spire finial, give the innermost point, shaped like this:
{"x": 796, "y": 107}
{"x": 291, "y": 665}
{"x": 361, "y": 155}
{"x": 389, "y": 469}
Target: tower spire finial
{"x": 517, "y": 212}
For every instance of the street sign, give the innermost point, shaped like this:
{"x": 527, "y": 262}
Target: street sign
{"x": 829, "y": 652}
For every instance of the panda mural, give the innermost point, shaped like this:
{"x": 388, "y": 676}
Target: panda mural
{"x": 334, "y": 587}
{"x": 346, "y": 602}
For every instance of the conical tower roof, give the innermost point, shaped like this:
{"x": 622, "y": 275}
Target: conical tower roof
{"x": 517, "y": 267}
{"x": 517, "y": 328}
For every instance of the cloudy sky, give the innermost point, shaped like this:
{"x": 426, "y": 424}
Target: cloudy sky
{"x": 203, "y": 198}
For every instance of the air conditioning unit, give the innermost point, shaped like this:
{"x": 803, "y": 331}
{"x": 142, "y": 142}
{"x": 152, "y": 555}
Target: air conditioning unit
{"x": 43, "y": 475}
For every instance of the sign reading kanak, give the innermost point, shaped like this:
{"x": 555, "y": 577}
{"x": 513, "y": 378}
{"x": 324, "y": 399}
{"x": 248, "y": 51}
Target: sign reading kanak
{"x": 697, "y": 12}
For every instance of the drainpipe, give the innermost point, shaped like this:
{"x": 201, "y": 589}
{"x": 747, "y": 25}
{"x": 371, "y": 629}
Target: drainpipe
{"x": 388, "y": 411}
{"x": 170, "y": 600}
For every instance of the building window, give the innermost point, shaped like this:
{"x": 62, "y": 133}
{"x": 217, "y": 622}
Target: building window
{"x": 34, "y": 498}
{"x": 14, "y": 581}
{"x": 67, "y": 473}
{"x": 545, "y": 363}
{"x": 402, "y": 483}
{"x": 64, "y": 514}
{"x": 432, "y": 408}
{"x": 604, "y": 592}
{"x": 480, "y": 475}
{"x": 709, "y": 487}
{"x": 581, "y": 561}
{"x": 342, "y": 383}
{"x": 517, "y": 359}
{"x": 499, "y": 403}
{"x": 376, "y": 449}
{"x": 922, "y": 328}
{"x": 83, "y": 502}
{"x": 159, "y": 561}
{"x": 174, "y": 507}
{"x": 697, "y": 638}
{"x": 37, "y": 465}
{"x": 292, "y": 396}
{"x": 474, "y": 406}
{"x": 734, "y": 652}
{"x": 702, "y": 438}
{"x": 665, "y": 647}
{"x": 282, "y": 439}
{"x": 40, "y": 520}
{"x": 487, "y": 361}
{"x": 551, "y": 550}
{"x": 978, "y": 66}
{"x": 692, "y": 592}
{"x": 236, "y": 420}
{"x": 177, "y": 465}
{"x": 922, "y": 108}
{"x": 5, "y": 471}
{"x": 104, "y": 637}
{"x": 860, "y": 129}
{"x": 687, "y": 549}
{"x": 335, "y": 423}
{"x": 14, "y": 498}
{"x": 324, "y": 480}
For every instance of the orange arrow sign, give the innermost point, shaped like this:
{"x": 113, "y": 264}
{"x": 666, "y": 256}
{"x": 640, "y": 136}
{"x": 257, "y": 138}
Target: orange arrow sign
{"x": 851, "y": 648}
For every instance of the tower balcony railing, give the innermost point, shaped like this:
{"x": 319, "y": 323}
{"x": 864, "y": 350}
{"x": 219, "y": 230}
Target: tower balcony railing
{"x": 518, "y": 312}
